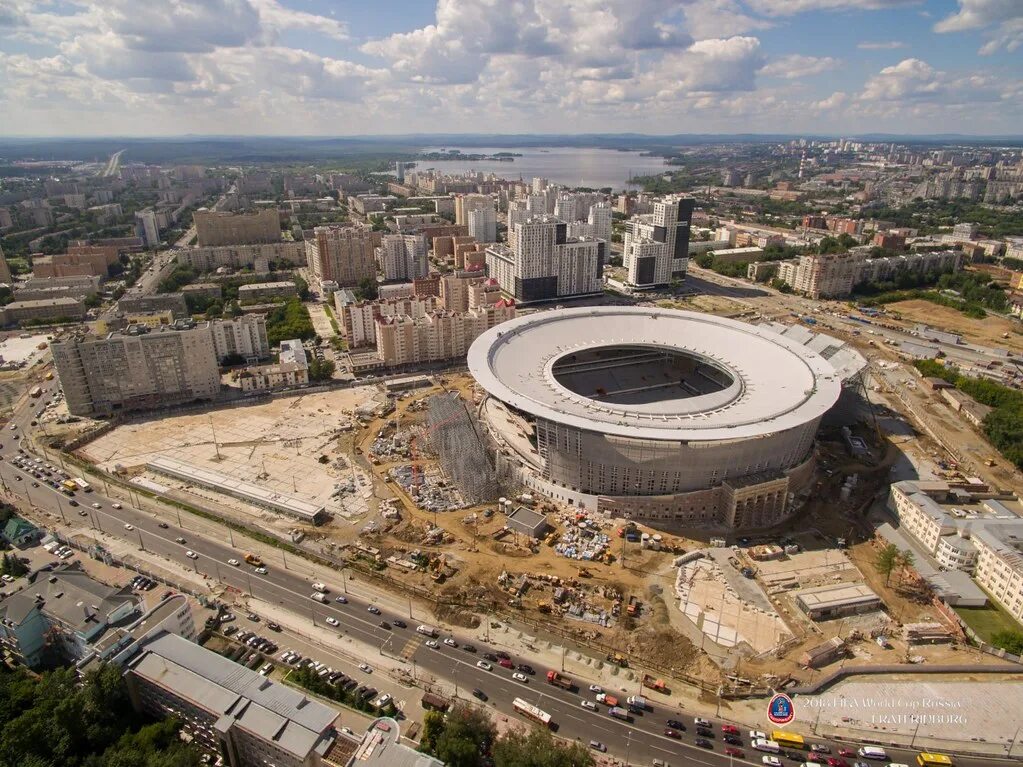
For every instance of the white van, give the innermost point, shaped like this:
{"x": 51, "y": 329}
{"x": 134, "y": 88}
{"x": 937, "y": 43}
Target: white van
{"x": 872, "y": 752}
{"x": 429, "y": 631}
{"x": 769, "y": 746}
{"x": 320, "y": 587}
{"x": 319, "y": 597}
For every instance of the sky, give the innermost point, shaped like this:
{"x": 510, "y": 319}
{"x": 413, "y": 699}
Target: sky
{"x": 351, "y": 67}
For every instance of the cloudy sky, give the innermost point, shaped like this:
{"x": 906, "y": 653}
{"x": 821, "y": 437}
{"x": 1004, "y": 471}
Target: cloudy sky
{"x": 341, "y": 67}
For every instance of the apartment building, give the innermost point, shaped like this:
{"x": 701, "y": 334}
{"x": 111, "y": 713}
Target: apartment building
{"x": 358, "y": 318}
{"x": 402, "y": 256}
{"x": 213, "y": 257}
{"x": 227, "y": 710}
{"x": 467, "y": 203}
{"x": 138, "y": 368}
{"x": 259, "y": 290}
{"x": 64, "y": 308}
{"x": 827, "y": 275}
{"x": 545, "y": 264}
{"x": 464, "y": 290}
{"x": 155, "y": 302}
{"x": 243, "y": 337}
{"x": 656, "y": 246}
{"x": 483, "y": 224}
{"x": 79, "y": 261}
{"x": 884, "y": 269}
{"x": 344, "y": 254}
{"x": 217, "y": 227}
{"x": 439, "y": 335}
{"x": 147, "y": 227}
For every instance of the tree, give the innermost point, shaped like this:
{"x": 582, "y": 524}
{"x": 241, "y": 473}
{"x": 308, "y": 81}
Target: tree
{"x": 906, "y": 560}
{"x": 13, "y": 566}
{"x": 302, "y": 287}
{"x": 887, "y": 561}
{"x": 321, "y": 370}
{"x": 367, "y": 289}
{"x": 468, "y": 735}
{"x": 537, "y": 748}
{"x": 433, "y": 727}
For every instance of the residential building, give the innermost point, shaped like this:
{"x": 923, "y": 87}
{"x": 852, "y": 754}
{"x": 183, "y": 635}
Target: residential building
{"x": 209, "y": 259}
{"x": 281, "y": 375}
{"x": 257, "y": 290}
{"x": 466, "y": 203}
{"x": 155, "y": 302}
{"x": 147, "y": 227}
{"x": 402, "y": 256}
{"x": 457, "y": 290}
{"x": 202, "y": 289}
{"x": 656, "y": 246}
{"x": 138, "y": 368}
{"x": 60, "y": 614}
{"x": 215, "y": 227}
{"x": 483, "y": 224}
{"x": 747, "y": 255}
{"x": 438, "y": 335}
{"x": 243, "y": 337}
{"x": 293, "y": 352}
{"x": 344, "y": 254}
{"x": 227, "y": 710}
{"x": 358, "y": 318}
{"x": 65, "y": 308}
{"x": 20, "y": 533}
{"x": 80, "y": 262}
{"x": 545, "y": 264}
{"x": 889, "y": 267}
{"x": 828, "y": 275}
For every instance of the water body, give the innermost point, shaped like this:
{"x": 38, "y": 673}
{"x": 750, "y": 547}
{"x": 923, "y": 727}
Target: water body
{"x": 570, "y": 166}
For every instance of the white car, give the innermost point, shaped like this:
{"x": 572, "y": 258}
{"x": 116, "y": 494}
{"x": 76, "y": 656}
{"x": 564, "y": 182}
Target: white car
{"x": 191, "y": 555}
{"x": 129, "y": 527}
{"x": 333, "y": 622}
{"x": 699, "y": 721}
{"x": 484, "y": 665}
{"x": 432, "y": 643}
{"x": 6, "y": 578}
{"x": 756, "y": 735}
{"x": 233, "y": 562}
{"x": 589, "y": 705}
{"x": 373, "y": 609}
{"x": 596, "y": 688}
{"x": 771, "y": 761}
{"x": 366, "y": 667}
{"x": 518, "y": 676}
{"x": 261, "y": 570}
{"x": 450, "y": 642}
{"x": 96, "y": 506}
{"x": 117, "y": 506}
{"x": 341, "y": 600}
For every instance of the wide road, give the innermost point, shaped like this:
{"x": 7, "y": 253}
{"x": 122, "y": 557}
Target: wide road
{"x": 640, "y": 741}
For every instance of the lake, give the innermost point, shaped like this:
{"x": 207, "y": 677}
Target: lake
{"x": 570, "y": 166}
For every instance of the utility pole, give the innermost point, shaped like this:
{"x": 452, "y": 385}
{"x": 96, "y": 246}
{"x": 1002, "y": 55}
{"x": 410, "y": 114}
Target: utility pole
{"x": 141, "y": 544}
{"x": 60, "y": 508}
{"x": 215, "y": 445}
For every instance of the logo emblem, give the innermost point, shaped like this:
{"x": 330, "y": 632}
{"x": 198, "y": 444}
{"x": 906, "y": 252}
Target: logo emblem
{"x": 780, "y": 710}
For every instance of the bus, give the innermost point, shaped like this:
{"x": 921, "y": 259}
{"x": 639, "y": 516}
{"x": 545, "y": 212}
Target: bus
{"x": 36, "y": 392}
{"x": 530, "y": 711}
{"x": 787, "y": 739}
{"x": 925, "y": 759}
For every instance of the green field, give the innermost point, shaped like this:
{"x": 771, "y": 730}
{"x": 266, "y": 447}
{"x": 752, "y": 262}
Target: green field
{"x": 988, "y": 621}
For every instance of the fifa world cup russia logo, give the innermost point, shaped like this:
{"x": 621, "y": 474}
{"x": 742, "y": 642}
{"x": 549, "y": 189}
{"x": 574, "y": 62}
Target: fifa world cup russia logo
{"x": 780, "y": 710}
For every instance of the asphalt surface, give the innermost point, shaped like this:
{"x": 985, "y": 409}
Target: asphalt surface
{"x": 640, "y": 741}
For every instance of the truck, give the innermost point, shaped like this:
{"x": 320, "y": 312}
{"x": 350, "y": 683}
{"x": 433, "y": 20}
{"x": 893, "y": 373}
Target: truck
{"x": 607, "y": 700}
{"x": 636, "y": 703}
{"x": 37, "y": 391}
{"x": 619, "y": 713}
{"x": 559, "y": 680}
{"x": 654, "y": 684}
{"x": 633, "y": 608}
{"x": 69, "y": 486}
{"x": 253, "y": 560}
{"x": 426, "y": 630}
{"x": 84, "y": 486}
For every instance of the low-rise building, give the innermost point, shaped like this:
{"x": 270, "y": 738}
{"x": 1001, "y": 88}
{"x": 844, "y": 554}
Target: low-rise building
{"x": 155, "y": 302}
{"x": 258, "y": 290}
{"x": 737, "y": 255}
{"x": 286, "y": 253}
{"x": 54, "y": 309}
{"x": 836, "y": 600}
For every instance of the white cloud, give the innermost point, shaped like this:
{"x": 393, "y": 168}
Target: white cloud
{"x": 833, "y": 102}
{"x": 276, "y": 17}
{"x": 913, "y": 81}
{"x": 711, "y": 18}
{"x": 793, "y": 7}
{"x": 794, "y": 66}
{"x": 886, "y": 45}
{"x": 1006, "y": 16}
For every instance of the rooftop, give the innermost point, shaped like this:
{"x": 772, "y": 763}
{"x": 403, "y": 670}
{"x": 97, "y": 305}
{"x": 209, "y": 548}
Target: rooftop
{"x": 835, "y": 595}
{"x": 381, "y": 745}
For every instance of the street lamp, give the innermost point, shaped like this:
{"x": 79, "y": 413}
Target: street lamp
{"x": 628, "y": 747}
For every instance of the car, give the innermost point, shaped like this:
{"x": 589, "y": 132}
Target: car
{"x": 227, "y": 617}
{"x": 96, "y": 506}
{"x": 816, "y": 758}
{"x": 705, "y": 732}
{"x": 490, "y": 656}
{"x": 589, "y": 705}
{"x": 478, "y": 693}
{"x": 261, "y": 570}
{"x": 17, "y": 478}
{"x": 6, "y": 578}
{"x": 73, "y": 502}
{"x": 505, "y": 663}
{"x": 502, "y": 654}
{"x": 468, "y": 648}
{"x": 366, "y": 667}
{"x": 731, "y": 729}
{"x": 738, "y": 753}
{"x": 672, "y": 733}
{"x": 129, "y": 527}
{"x": 846, "y": 752}
{"x": 332, "y": 621}
{"x": 596, "y": 745}
{"x": 398, "y": 623}
{"x": 432, "y": 643}
{"x": 162, "y": 525}
{"x": 253, "y": 617}
{"x": 795, "y": 756}
{"x": 758, "y": 735}
{"x": 703, "y": 743}
{"x": 484, "y": 665}
{"x": 191, "y": 555}
{"x": 820, "y": 748}
{"x": 118, "y": 506}
{"x": 373, "y": 609}
{"x": 229, "y": 629}
{"x": 385, "y": 625}
{"x": 341, "y": 600}
{"x": 520, "y": 678}
{"x": 734, "y": 740}
{"x": 675, "y": 724}
{"x": 596, "y": 688}
{"x": 35, "y": 484}
{"x": 770, "y": 761}
{"x": 273, "y": 626}
{"x": 834, "y": 761}
{"x": 233, "y": 562}
{"x": 699, "y": 721}
{"x": 450, "y": 642}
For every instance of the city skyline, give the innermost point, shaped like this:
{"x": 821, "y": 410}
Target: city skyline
{"x": 280, "y": 67}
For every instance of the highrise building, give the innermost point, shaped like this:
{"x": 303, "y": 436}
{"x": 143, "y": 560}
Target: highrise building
{"x": 244, "y": 337}
{"x": 466, "y": 203}
{"x": 483, "y": 224}
{"x": 344, "y": 254}
{"x": 214, "y": 227}
{"x": 138, "y": 368}
{"x": 657, "y": 244}
{"x": 543, "y": 263}
{"x": 399, "y": 171}
{"x": 402, "y": 256}
{"x": 147, "y": 228}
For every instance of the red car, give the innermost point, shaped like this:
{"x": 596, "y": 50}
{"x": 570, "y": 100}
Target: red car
{"x": 846, "y": 752}
{"x": 816, "y": 758}
{"x": 836, "y": 762}
{"x": 505, "y": 663}
{"x": 736, "y": 752}
{"x": 731, "y": 729}
{"x": 673, "y": 733}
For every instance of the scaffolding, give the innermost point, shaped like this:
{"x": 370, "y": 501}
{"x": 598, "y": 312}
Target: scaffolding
{"x": 455, "y": 436}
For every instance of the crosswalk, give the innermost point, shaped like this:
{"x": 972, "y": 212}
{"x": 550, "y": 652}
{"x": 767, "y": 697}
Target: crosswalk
{"x": 410, "y": 647}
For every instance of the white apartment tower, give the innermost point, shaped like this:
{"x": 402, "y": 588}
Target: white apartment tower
{"x": 244, "y": 337}
{"x": 657, "y": 244}
{"x": 402, "y": 256}
{"x": 483, "y": 224}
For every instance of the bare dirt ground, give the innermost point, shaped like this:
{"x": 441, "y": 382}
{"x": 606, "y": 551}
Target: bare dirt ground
{"x": 987, "y": 332}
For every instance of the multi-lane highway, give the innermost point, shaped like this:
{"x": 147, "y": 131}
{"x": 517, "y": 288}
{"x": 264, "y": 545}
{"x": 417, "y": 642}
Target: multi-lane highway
{"x": 639, "y": 741}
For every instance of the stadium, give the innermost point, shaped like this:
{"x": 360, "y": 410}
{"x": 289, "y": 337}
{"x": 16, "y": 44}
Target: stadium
{"x": 655, "y": 414}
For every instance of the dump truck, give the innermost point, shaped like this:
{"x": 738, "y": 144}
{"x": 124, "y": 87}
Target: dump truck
{"x": 633, "y": 608}
{"x": 654, "y": 684}
{"x": 559, "y": 680}
{"x": 253, "y": 560}
{"x": 607, "y": 700}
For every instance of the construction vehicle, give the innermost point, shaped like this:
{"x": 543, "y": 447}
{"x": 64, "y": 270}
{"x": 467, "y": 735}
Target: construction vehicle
{"x": 618, "y": 659}
{"x": 607, "y": 700}
{"x": 633, "y": 608}
{"x": 654, "y": 684}
{"x": 543, "y": 607}
{"x": 252, "y": 559}
{"x": 560, "y": 680}
{"x": 584, "y": 573}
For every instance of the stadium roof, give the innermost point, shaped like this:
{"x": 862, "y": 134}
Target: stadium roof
{"x": 776, "y": 383}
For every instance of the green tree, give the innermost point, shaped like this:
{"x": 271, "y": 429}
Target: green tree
{"x": 468, "y": 735}
{"x": 887, "y": 561}
{"x": 302, "y": 287}
{"x": 433, "y": 728}
{"x": 905, "y": 561}
{"x": 321, "y": 370}
{"x": 367, "y": 289}
{"x": 537, "y": 748}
